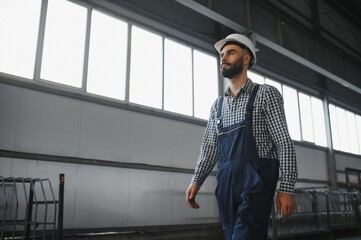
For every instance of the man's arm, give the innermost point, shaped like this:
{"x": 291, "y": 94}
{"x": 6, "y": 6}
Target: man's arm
{"x": 207, "y": 159}
{"x": 277, "y": 126}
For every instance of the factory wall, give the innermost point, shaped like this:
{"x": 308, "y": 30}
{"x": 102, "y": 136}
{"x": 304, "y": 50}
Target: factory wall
{"x": 96, "y": 196}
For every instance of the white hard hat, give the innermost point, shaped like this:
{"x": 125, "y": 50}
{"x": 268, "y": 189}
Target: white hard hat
{"x": 241, "y": 39}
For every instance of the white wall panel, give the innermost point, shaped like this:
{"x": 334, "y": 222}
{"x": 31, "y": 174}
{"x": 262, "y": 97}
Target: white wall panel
{"x": 48, "y": 124}
{"x": 165, "y": 142}
{"x": 97, "y": 197}
{"x": 150, "y": 198}
{"x": 311, "y": 163}
{"x": 6, "y": 167}
{"x": 181, "y": 213}
{"x": 346, "y": 161}
{"x": 102, "y": 197}
{"x": 10, "y": 98}
{"x": 149, "y": 136}
{"x": 56, "y": 125}
{"x": 184, "y": 143}
{"x": 105, "y": 133}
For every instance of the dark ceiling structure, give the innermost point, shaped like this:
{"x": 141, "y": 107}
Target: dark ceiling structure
{"x": 311, "y": 43}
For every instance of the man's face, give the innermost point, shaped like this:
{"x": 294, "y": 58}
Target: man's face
{"x": 231, "y": 61}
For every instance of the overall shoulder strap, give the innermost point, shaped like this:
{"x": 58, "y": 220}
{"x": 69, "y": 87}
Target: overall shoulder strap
{"x": 250, "y": 104}
{"x": 219, "y": 112}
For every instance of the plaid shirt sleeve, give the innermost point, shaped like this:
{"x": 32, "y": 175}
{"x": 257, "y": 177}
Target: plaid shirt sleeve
{"x": 208, "y": 156}
{"x": 277, "y": 126}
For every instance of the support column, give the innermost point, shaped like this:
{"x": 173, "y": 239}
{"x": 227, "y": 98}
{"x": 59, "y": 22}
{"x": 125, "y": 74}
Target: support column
{"x": 331, "y": 162}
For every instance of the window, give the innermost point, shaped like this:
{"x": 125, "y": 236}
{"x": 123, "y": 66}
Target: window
{"x": 342, "y": 129}
{"x": 358, "y": 126}
{"x": 107, "y": 56}
{"x": 319, "y": 126}
{"x": 345, "y": 127}
{"x": 352, "y": 132}
{"x": 177, "y": 78}
{"x": 19, "y": 22}
{"x": 146, "y": 67}
{"x": 151, "y": 70}
{"x": 274, "y": 84}
{"x": 291, "y": 111}
{"x": 256, "y": 77}
{"x": 306, "y": 117}
{"x": 205, "y": 83}
{"x": 64, "y": 43}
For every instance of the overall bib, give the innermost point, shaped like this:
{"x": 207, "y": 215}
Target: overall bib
{"x": 246, "y": 183}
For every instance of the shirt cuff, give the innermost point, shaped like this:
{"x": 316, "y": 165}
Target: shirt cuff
{"x": 287, "y": 187}
{"x": 197, "y": 180}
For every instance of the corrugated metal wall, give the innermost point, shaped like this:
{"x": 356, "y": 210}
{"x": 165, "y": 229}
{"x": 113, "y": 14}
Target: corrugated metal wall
{"x": 97, "y": 196}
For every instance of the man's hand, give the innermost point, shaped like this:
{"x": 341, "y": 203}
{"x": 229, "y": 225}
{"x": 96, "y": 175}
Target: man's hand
{"x": 191, "y": 195}
{"x": 285, "y": 202}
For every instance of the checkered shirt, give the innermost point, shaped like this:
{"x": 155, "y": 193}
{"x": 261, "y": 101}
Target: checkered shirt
{"x": 270, "y": 132}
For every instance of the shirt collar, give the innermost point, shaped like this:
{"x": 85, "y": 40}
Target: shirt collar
{"x": 247, "y": 87}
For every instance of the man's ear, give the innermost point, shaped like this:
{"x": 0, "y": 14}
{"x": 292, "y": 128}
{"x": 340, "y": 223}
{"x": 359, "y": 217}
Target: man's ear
{"x": 247, "y": 59}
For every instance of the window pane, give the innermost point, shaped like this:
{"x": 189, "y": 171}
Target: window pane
{"x": 177, "y": 78}
{"x": 107, "y": 56}
{"x": 352, "y": 132}
{"x": 205, "y": 83}
{"x": 146, "y": 68}
{"x": 358, "y": 125}
{"x": 319, "y": 122}
{"x": 19, "y": 22}
{"x": 306, "y": 117}
{"x": 342, "y": 129}
{"x": 334, "y": 128}
{"x": 255, "y": 77}
{"x": 63, "y": 53}
{"x": 291, "y": 110}
{"x": 274, "y": 83}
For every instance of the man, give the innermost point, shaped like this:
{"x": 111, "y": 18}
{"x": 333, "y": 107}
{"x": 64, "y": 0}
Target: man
{"x": 247, "y": 134}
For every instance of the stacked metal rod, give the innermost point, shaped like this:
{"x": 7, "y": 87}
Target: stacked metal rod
{"x": 319, "y": 211}
{"x": 27, "y": 208}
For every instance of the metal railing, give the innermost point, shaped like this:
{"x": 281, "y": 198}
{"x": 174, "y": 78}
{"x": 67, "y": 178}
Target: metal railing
{"x": 319, "y": 211}
{"x": 28, "y": 208}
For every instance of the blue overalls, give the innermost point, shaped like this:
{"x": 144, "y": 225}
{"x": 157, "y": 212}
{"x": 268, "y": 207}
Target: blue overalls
{"x": 246, "y": 183}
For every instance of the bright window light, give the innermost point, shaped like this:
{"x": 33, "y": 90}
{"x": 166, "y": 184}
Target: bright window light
{"x": 107, "y": 56}
{"x": 64, "y": 43}
{"x": 342, "y": 129}
{"x": 352, "y": 132}
{"x": 177, "y": 78}
{"x": 334, "y": 128}
{"x": 146, "y": 68}
{"x": 19, "y": 27}
{"x": 255, "y": 77}
{"x": 306, "y": 117}
{"x": 319, "y": 122}
{"x": 358, "y": 125}
{"x": 205, "y": 83}
{"x": 274, "y": 84}
{"x": 291, "y": 110}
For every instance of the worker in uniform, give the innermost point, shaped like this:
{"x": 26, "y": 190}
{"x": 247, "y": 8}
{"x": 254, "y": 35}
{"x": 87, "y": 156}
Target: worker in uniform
{"x": 247, "y": 136}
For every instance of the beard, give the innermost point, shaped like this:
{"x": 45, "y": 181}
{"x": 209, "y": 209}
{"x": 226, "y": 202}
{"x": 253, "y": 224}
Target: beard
{"x": 234, "y": 69}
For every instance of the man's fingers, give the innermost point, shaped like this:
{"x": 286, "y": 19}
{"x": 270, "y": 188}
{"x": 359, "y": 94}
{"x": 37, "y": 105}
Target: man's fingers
{"x": 278, "y": 206}
{"x": 287, "y": 211}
